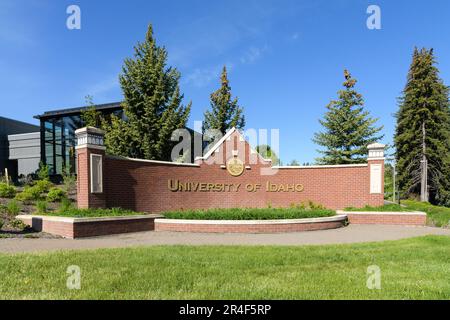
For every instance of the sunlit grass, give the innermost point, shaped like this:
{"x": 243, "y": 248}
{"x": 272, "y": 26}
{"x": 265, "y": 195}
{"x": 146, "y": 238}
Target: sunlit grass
{"x": 410, "y": 269}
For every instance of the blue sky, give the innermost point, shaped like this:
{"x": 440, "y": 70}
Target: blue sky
{"x": 285, "y": 58}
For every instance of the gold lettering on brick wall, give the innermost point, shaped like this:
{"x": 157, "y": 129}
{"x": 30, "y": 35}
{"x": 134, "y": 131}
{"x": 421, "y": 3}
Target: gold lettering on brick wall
{"x": 178, "y": 186}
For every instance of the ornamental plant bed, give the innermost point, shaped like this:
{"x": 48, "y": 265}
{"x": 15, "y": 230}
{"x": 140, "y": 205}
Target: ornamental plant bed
{"x": 79, "y": 223}
{"x": 94, "y": 213}
{"x": 267, "y": 220}
{"x": 250, "y": 214}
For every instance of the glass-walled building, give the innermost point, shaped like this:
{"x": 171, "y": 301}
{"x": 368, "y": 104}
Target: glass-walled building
{"x": 58, "y": 135}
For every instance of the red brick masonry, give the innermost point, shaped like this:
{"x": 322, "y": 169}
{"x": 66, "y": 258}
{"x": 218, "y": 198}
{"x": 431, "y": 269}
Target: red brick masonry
{"x": 148, "y": 186}
{"x": 73, "y": 228}
{"x": 399, "y": 218}
{"x": 249, "y": 226}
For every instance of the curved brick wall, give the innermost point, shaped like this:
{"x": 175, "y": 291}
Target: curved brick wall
{"x": 274, "y": 226}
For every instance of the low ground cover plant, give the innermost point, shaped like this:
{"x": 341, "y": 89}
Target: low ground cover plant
{"x": 13, "y": 208}
{"x": 56, "y": 195}
{"x": 7, "y": 191}
{"x": 41, "y": 207}
{"x": 35, "y": 192}
{"x": 249, "y": 214}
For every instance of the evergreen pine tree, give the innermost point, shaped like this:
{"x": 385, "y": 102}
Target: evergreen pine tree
{"x": 423, "y": 130}
{"x": 152, "y": 105}
{"x": 348, "y": 128}
{"x": 225, "y": 112}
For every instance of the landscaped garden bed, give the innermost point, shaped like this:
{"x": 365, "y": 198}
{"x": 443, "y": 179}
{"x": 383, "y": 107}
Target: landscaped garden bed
{"x": 34, "y": 194}
{"x": 251, "y": 214}
{"x": 263, "y": 220}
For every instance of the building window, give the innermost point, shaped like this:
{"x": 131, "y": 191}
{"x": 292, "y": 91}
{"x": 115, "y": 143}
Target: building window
{"x": 96, "y": 173}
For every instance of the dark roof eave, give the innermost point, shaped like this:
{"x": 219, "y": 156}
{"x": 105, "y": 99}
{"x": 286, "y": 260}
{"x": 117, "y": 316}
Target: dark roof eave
{"x": 73, "y": 111}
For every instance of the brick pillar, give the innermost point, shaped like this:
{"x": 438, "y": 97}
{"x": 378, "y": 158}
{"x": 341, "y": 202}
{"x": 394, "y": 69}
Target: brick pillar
{"x": 90, "y": 166}
{"x": 376, "y": 174}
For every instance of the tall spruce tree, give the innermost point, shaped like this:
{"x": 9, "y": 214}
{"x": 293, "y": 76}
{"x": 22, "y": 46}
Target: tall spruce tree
{"x": 152, "y": 105}
{"x": 225, "y": 112}
{"x": 422, "y": 137}
{"x": 348, "y": 128}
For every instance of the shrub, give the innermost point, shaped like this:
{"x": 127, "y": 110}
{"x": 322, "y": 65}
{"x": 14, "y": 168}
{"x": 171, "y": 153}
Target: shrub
{"x": 66, "y": 205}
{"x": 55, "y": 195}
{"x": 7, "y": 191}
{"x": 43, "y": 172}
{"x": 35, "y": 192}
{"x": 17, "y": 224}
{"x": 69, "y": 180}
{"x": 43, "y": 186}
{"x": 29, "y": 194}
{"x": 13, "y": 208}
{"x": 41, "y": 207}
{"x": 1, "y": 223}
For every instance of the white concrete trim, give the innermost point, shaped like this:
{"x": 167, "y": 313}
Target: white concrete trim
{"x": 89, "y": 129}
{"x": 154, "y": 161}
{"x": 249, "y": 222}
{"x": 323, "y": 166}
{"x": 387, "y": 213}
{"x": 19, "y": 135}
{"x": 90, "y": 146}
{"x": 84, "y": 220}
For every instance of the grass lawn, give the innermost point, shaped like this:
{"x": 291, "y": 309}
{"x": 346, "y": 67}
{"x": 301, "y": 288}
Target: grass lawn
{"x": 250, "y": 214}
{"x": 437, "y": 216}
{"x": 416, "y": 268}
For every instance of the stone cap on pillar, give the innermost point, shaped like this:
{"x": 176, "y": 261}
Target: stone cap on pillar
{"x": 376, "y": 151}
{"x": 90, "y": 137}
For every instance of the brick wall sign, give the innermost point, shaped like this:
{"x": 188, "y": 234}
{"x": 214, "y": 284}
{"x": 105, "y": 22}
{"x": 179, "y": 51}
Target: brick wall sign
{"x": 231, "y": 174}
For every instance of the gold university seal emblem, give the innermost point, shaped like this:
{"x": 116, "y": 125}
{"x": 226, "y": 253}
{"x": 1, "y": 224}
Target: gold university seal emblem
{"x": 235, "y": 166}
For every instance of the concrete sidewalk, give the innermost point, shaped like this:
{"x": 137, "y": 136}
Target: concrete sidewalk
{"x": 350, "y": 234}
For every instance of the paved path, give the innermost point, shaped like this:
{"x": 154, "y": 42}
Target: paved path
{"x": 350, "y": 234}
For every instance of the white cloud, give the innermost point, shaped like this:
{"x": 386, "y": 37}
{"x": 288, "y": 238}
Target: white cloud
{"x": 253, "y": 54}
{"x": 103, "y": 88}
{"x": 201, "y": 77}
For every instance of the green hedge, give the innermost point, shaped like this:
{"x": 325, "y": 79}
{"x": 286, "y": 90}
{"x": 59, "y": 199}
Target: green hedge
{"x": 249, "y": 214}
